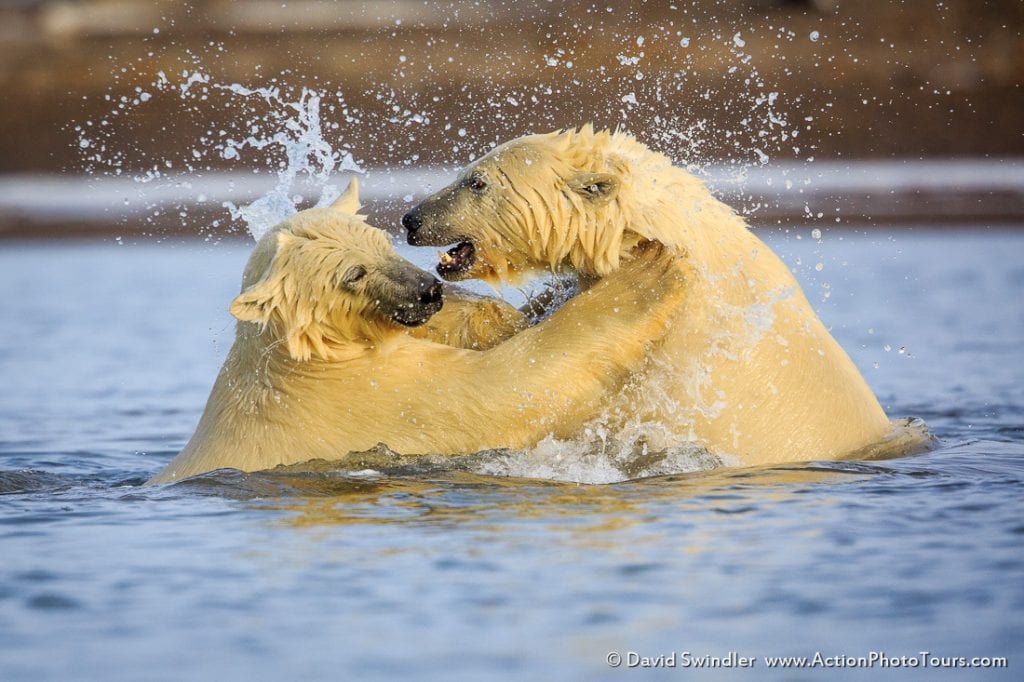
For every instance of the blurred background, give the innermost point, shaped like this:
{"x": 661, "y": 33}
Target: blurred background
{"x": 144, "y": 119}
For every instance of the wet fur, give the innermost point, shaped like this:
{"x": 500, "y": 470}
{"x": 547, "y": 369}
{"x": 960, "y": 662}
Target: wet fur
{"x": 468, "y": 320}
{"x": 316, "y": 372}
{"x": 748, "y": 369}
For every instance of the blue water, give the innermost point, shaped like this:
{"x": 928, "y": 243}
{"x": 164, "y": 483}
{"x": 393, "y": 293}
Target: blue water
{"x": 106, "y": 358}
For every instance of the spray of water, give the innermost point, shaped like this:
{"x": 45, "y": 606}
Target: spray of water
{"x": 279, "y": 128}
{"x": 307, "y": 155}
{"x": 302, "y": 134}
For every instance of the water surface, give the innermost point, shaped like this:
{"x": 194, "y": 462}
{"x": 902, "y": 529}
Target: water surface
{"x": 428, "y": 573}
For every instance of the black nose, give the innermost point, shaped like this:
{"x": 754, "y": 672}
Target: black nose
{"x": 431, "y": 291}
{"x": 412, "y": 221}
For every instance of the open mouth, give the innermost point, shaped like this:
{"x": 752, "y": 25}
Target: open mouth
{"x": 457, "y": 260}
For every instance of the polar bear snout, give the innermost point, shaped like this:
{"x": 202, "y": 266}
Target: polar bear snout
{"x": 422, "y": 230}
{"x": 407, "y": 295}
{"x": 415, "y": 232}
{"x": 427, "y": 223}
{"x": 412, "y": 222}
{"x": 431, "y": 292}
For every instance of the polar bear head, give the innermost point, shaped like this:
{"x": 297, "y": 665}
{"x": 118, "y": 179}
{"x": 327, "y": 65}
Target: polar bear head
{"x": 324, "y": 279}
{"x": 539, "y": 202}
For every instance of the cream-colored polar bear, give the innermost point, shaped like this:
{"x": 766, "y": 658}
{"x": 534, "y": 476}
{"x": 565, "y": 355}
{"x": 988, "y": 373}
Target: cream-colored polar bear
{"x": 748, "y": 369}
{"x": 469, "y": 320}
{"x": 322, "y": 364}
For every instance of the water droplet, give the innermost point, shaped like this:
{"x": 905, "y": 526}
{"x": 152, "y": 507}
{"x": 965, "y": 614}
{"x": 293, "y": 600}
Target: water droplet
{"x": 816, "y": 233}
{"x": 814, "y": 36}
{"x": 739, "y": 42}
{"x": 685, "y": 42}
{"x": 887, "y": 348}
{"x": 462, "y": 132}
{"x": 819, "y": 266}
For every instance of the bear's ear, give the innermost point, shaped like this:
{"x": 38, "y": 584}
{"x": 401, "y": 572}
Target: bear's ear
{"x": 348, "y": 202}
{"x": 254, "y": 304}
{"x": 256, "y": 301}
{"x": 596, "y": 187}
{"x": 301, "y": 334}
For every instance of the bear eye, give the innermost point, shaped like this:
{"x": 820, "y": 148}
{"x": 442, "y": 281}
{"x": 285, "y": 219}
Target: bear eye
{"x": 354, "y": 274}
{"x": 477, "y": 183}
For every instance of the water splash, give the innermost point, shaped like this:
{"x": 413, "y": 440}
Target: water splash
{"x": 274, "y": 126}
{"x": 598, "y": 458}
{"x": 298, "y": 134}
{"x": 668, "y": 85}
{"x": 589, "y": 461}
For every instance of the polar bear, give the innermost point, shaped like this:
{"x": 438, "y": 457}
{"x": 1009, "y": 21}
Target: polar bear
{"x": 469, "y": 320}
{"x": 322, "y": 365}
{"x": 748, "y": 368}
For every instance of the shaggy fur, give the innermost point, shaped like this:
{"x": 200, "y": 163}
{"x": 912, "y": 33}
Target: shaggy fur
{"x": 748, "y": 369}
{"x": 318, "y": 369}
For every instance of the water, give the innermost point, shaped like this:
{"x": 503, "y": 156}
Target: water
{"x": 445, "y": 573}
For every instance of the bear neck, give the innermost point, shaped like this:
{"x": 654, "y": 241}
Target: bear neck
{"x": 272, "y": 355}
{"x": 655, "y": 200}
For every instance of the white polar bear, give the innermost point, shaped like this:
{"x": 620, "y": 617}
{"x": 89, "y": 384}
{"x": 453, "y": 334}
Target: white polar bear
{"x": 748, "y": 369}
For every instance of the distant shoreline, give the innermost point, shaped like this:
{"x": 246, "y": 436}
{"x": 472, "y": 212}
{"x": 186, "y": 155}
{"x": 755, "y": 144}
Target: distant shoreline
{"x": 858, "y": 193}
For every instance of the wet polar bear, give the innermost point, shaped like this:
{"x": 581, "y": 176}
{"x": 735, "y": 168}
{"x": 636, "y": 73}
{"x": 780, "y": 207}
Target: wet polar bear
{"x": 748, "y": 368}
{"x": 322, "y": 364}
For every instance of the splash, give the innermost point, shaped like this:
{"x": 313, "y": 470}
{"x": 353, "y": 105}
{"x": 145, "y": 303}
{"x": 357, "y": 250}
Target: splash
{"x": 589, "y": 461}
{"x": 280, "y": 128}
{"x": 307, "y": 156}
{"x": 715, "y": 96}
{"x": 598, "y": 458}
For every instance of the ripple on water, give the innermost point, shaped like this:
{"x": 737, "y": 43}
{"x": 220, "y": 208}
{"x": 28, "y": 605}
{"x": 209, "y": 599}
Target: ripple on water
{"x": 52, "y": 601}
{"x": 28, "y": 481}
